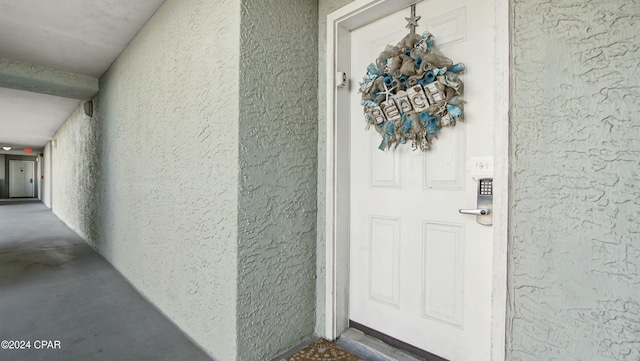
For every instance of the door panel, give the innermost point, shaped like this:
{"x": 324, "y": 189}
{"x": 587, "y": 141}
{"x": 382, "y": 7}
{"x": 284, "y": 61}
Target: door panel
{"x": 384, "y": 262}
{"x": 21, "y": 178}
{"x": 443, "y": 262}
{"x": 420, "y": 271}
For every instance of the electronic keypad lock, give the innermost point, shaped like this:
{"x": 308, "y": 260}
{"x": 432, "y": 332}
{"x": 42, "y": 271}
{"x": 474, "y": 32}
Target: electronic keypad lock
{"x": 484, "y": 203}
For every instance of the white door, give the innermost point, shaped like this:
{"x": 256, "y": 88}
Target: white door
{"x": 419, "y": 270}
{"x": 21, "y": 178}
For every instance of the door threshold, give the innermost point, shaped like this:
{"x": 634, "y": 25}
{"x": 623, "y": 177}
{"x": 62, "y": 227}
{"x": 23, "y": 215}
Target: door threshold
{"x": 376, "y": 346}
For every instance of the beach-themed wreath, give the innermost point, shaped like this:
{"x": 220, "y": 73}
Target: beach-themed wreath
{"x": 410, "y": 93}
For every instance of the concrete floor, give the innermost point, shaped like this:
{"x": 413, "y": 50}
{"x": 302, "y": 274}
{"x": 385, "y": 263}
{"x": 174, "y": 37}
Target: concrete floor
{"x": 54, "y": 287}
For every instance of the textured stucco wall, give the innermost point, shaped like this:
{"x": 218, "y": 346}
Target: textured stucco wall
{"x": 278, "y": 161}
{"x": 39, "y": 172}
{"x": 223, "y": 242}
{"x": 46, "y": 172}
{"x": 167, "y": 149}
{"x": 2, "y": 176}
{"x": 75, "y": 198}
{"x": 325, "y": 7}
{"x": 574, "y": 255}
{"x": 171, "y": 216}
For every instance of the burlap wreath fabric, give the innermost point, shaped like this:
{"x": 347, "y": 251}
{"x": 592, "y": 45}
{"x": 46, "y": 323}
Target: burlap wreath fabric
{"x": 410, "y": 93}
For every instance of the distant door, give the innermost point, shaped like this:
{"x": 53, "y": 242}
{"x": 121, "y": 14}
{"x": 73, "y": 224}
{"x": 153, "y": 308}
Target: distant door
{"x": 21, "y": 178}
{"x": 420, "y": 270}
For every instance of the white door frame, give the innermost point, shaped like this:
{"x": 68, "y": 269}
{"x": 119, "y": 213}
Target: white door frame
{"x": 339, "y": 25}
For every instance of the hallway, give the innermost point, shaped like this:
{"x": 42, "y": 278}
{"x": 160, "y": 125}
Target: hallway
{"x": 54, "y": 287}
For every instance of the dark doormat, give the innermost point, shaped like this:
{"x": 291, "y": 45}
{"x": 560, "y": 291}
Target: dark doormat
{"x": 322, "y": 350}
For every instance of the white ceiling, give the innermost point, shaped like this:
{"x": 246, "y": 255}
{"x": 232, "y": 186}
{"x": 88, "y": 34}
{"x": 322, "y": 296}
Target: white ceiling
{"x": 29, "y": 118}
{"x": 76, "y": 36}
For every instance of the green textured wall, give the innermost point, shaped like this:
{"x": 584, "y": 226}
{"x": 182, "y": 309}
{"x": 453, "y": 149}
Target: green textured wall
{"x": 277, "y": 189}
{"x": 574, "y": 254}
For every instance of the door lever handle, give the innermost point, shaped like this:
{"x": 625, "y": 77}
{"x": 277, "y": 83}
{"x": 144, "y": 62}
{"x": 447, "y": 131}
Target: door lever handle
{"x": 476, "y": 212}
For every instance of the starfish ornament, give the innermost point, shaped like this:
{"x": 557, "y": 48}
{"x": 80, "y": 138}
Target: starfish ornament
{"x": 387, "y": 91}
{"x": 413, "y": 20}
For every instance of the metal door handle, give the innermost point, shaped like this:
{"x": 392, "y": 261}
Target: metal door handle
{"x": 476, "y": 212}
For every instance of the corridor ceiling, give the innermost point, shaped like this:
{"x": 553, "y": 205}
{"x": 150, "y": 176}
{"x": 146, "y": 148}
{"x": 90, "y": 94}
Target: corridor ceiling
{"x": 51, "y": 55}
